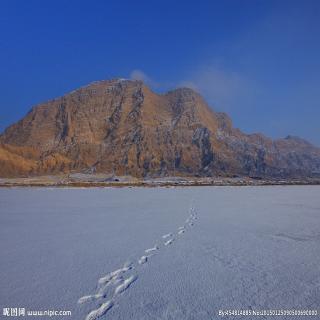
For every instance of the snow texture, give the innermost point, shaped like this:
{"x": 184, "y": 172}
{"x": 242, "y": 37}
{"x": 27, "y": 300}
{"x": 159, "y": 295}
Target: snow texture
{"x": 104, "y": 253}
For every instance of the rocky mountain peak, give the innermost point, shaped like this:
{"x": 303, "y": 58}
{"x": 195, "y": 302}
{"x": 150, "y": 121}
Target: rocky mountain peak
{"x": 122, "y": 127}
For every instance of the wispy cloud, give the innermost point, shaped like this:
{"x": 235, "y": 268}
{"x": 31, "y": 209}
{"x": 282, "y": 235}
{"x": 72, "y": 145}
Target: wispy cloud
{"x": 140, "y": 75}
{"x": 220, "y": 86}
{"x": 223, "y": 88}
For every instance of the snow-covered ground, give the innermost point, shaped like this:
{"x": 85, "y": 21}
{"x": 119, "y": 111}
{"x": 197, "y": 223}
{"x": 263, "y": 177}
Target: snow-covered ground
{"x": 160, "y": 253}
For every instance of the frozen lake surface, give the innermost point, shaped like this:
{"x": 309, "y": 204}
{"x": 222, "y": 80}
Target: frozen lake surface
{"x": 160, "y": 253}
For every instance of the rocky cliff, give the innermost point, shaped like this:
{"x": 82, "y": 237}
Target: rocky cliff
{"x": 122, "y": 127}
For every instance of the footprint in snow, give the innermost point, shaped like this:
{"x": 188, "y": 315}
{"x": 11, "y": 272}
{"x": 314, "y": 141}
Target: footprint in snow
{"x": 168, "y": 242}
{"x": 102, "y": 310}
{"x": 143, "y": 259}
{"x": 116, "y": 277}
{"x": 89, "y": 298}
{"x": 114, "y": 274}
{"x": 155, "y": 248}
{"x": 125, "y": 285}
{"x": 105, "y": 307}
{"x": 104, "y": 282}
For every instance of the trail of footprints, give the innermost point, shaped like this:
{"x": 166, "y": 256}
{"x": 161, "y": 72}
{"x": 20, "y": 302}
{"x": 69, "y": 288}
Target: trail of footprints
{"x": 116, "y": 282}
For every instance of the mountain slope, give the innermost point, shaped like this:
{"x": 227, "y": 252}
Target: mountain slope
{"x": 122, "y": 127}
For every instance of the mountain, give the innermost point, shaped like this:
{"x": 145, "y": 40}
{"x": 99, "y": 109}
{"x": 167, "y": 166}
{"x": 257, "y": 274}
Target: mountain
{"x": 122, "y": 127}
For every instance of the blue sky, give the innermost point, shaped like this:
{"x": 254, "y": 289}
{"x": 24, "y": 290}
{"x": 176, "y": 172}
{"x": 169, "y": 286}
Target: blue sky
{"x": 257, "y": 60}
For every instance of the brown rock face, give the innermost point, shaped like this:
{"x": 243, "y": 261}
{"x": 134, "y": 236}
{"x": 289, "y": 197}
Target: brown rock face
{"x": 122, "y": 127}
